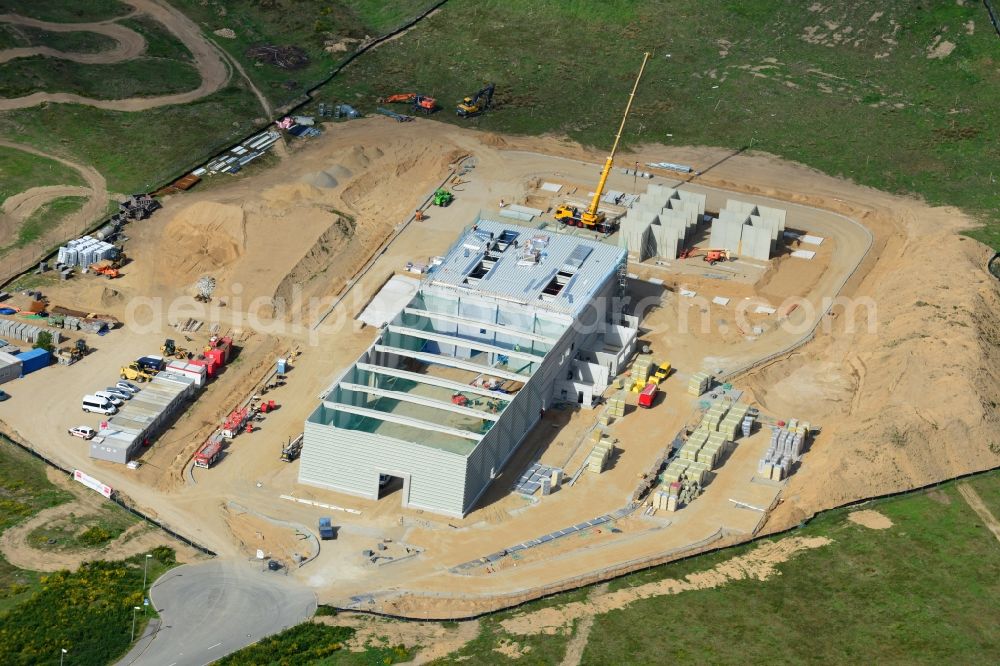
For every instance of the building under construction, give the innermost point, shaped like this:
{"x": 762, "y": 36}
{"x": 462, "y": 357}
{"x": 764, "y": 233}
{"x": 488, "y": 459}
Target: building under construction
{"x": 510, "y": 322}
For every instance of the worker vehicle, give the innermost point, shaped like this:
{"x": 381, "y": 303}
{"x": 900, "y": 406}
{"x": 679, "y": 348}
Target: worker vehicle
{"x": 4, "y": 396}
{"x": 98, "y": 405}
{"x": 422, "y": 103}
{"x": 443, "y": 198}
{"x": 134, "y": 372}
{"x": 593, "y": 219}
{"x": 128, "y": 386}
{"x": 478, "y": 103}
{"x": 648, "y": 395}
{"x": 292, "y": 450}
{"x": 325, "y": 528}
{"x": 150, "y": 363}
{"x": 83, "y": 432}
{"x": 662, "y": 372}
{"x": 117, "y": 392}
{"x": 209, "y": 453}
{"x": 170, "y": 348}
{"x": 110, "y": 397}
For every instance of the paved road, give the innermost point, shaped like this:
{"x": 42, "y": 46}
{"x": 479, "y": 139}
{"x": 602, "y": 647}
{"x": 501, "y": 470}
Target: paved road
{"x": 212, "y": 609}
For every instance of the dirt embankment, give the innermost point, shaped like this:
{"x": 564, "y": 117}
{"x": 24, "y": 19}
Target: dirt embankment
{"x": 908, "y": 396}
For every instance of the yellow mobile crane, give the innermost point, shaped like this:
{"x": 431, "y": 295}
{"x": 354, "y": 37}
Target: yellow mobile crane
{"x": 592, "y": 219}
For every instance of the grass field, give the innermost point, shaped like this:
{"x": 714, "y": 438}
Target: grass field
{"x": 88, "y": 611}
{"x": 861, "y": 99}
{"x": 63, "y": 11}
{"x": 310, "y": 25}
{"x": 20, "y": 171}
{"x": 68, "y": 42}
{"x": 141, "y": 77}
{"x": 311, "y": 643}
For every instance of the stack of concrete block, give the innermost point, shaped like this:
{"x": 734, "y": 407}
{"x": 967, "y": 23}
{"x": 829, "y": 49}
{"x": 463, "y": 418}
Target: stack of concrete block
{"x": 27, "y": 332}
{"x": 700, "y": 383}
{"x": 784, "y": 450}
{"x": 85, "y": 251}
{"x": 599, "y": 456}
{"x": 616, "y": 405}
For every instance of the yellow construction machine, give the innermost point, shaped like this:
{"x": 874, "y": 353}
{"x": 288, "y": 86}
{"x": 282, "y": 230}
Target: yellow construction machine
{"x": 593, "y": 219}
{"x": 134, "y": 373}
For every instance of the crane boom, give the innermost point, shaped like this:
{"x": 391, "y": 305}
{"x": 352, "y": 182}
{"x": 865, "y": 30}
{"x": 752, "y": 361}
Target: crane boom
{"x": 592, "y": 211}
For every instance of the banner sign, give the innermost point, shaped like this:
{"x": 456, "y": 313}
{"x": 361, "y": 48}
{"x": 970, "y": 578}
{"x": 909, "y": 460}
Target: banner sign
{"x": 92, "y": 483}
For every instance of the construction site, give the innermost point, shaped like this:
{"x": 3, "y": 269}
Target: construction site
{"x": 436, "y": 406}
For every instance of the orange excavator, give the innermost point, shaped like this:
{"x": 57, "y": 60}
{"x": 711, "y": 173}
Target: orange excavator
{"x": 421, "y": 103}
{"x": 711, "y": 256}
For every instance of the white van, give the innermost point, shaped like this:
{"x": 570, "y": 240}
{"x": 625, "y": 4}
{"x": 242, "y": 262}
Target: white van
{"x": 98, "y": 405}
{"x": 110, "y": 397}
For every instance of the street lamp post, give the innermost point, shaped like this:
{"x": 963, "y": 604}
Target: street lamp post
{"x": 61, "y": 655}
{"x": 145, "y": 563}
{"x": 134, "y": 609}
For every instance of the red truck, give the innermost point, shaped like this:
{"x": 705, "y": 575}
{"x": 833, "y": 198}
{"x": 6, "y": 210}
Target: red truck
{"x": 648, "y": 395}
{"x": 209, "y": 452}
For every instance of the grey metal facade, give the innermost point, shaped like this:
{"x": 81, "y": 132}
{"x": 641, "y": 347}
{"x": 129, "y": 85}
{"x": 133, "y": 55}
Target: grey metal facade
{"x": 498, "y": 346}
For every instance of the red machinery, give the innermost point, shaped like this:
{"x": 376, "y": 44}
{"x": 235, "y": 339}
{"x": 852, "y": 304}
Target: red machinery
{"x": 209, "y": 452}
{"x": 420, "y": 102}
{"x": 648, "y": 395}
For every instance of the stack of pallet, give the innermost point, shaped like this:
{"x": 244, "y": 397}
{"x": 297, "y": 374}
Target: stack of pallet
{"x": 785, "y": 450}
{"x": 616, "y": 405}
{"x": 600, "y": 455}
{"x": 642, "y": 367}
{"x": 666, "y": 497}
{"x": 690, "y": 469}
{"x": 700, "y": 383}
{"x": 732, "y": 421}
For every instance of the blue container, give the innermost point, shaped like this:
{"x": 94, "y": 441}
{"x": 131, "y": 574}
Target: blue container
{"x": 282, "y": 366}
{"x": 34, "y": 359}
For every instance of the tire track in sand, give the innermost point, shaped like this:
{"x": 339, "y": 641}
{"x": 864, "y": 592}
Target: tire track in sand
{"x": 207, "y": 59}
{"x": 129, "y": 43}
{"x": 18, "y": 207}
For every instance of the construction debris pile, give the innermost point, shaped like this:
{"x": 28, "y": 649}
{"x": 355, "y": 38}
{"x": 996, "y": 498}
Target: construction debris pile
{"x": 747, "y": 229}
{"x": 660, "y": 222}
{"x": 77, "y": 320}
{"x": 787, "y": 444}
{"x": 85, "y": 251}
{"x": 136, "y": 207}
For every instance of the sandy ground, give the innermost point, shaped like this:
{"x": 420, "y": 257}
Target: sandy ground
{"x": 436, "y": 640}
{"x": 207, "y": 59}
{"x": 276, "y": 234}
{"x": 871, "y": 519}
{"x": 139, "y": 538}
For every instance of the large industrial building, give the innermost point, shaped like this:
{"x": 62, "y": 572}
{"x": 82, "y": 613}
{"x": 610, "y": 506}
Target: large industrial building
{"x": 510, "y": 322}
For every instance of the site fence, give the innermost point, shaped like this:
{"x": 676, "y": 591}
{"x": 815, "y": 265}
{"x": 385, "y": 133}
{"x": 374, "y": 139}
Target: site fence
{"x": 706, "y": 546}
{"x": 116, "y": 497}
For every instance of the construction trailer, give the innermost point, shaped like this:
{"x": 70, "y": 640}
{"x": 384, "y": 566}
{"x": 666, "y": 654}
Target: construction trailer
{"x": 511, "y": 322}
{"x": 10, "y": 367}
{"x": 142, "y": 418}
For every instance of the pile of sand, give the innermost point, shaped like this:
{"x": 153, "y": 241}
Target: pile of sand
{"x": 202, "y": 238}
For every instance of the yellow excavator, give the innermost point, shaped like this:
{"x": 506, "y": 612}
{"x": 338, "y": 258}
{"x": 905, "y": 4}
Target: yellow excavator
{"x": 592, "y": 219}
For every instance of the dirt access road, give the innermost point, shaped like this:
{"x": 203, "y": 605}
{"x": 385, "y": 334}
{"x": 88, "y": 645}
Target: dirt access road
{"x": 207, "y": 59}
